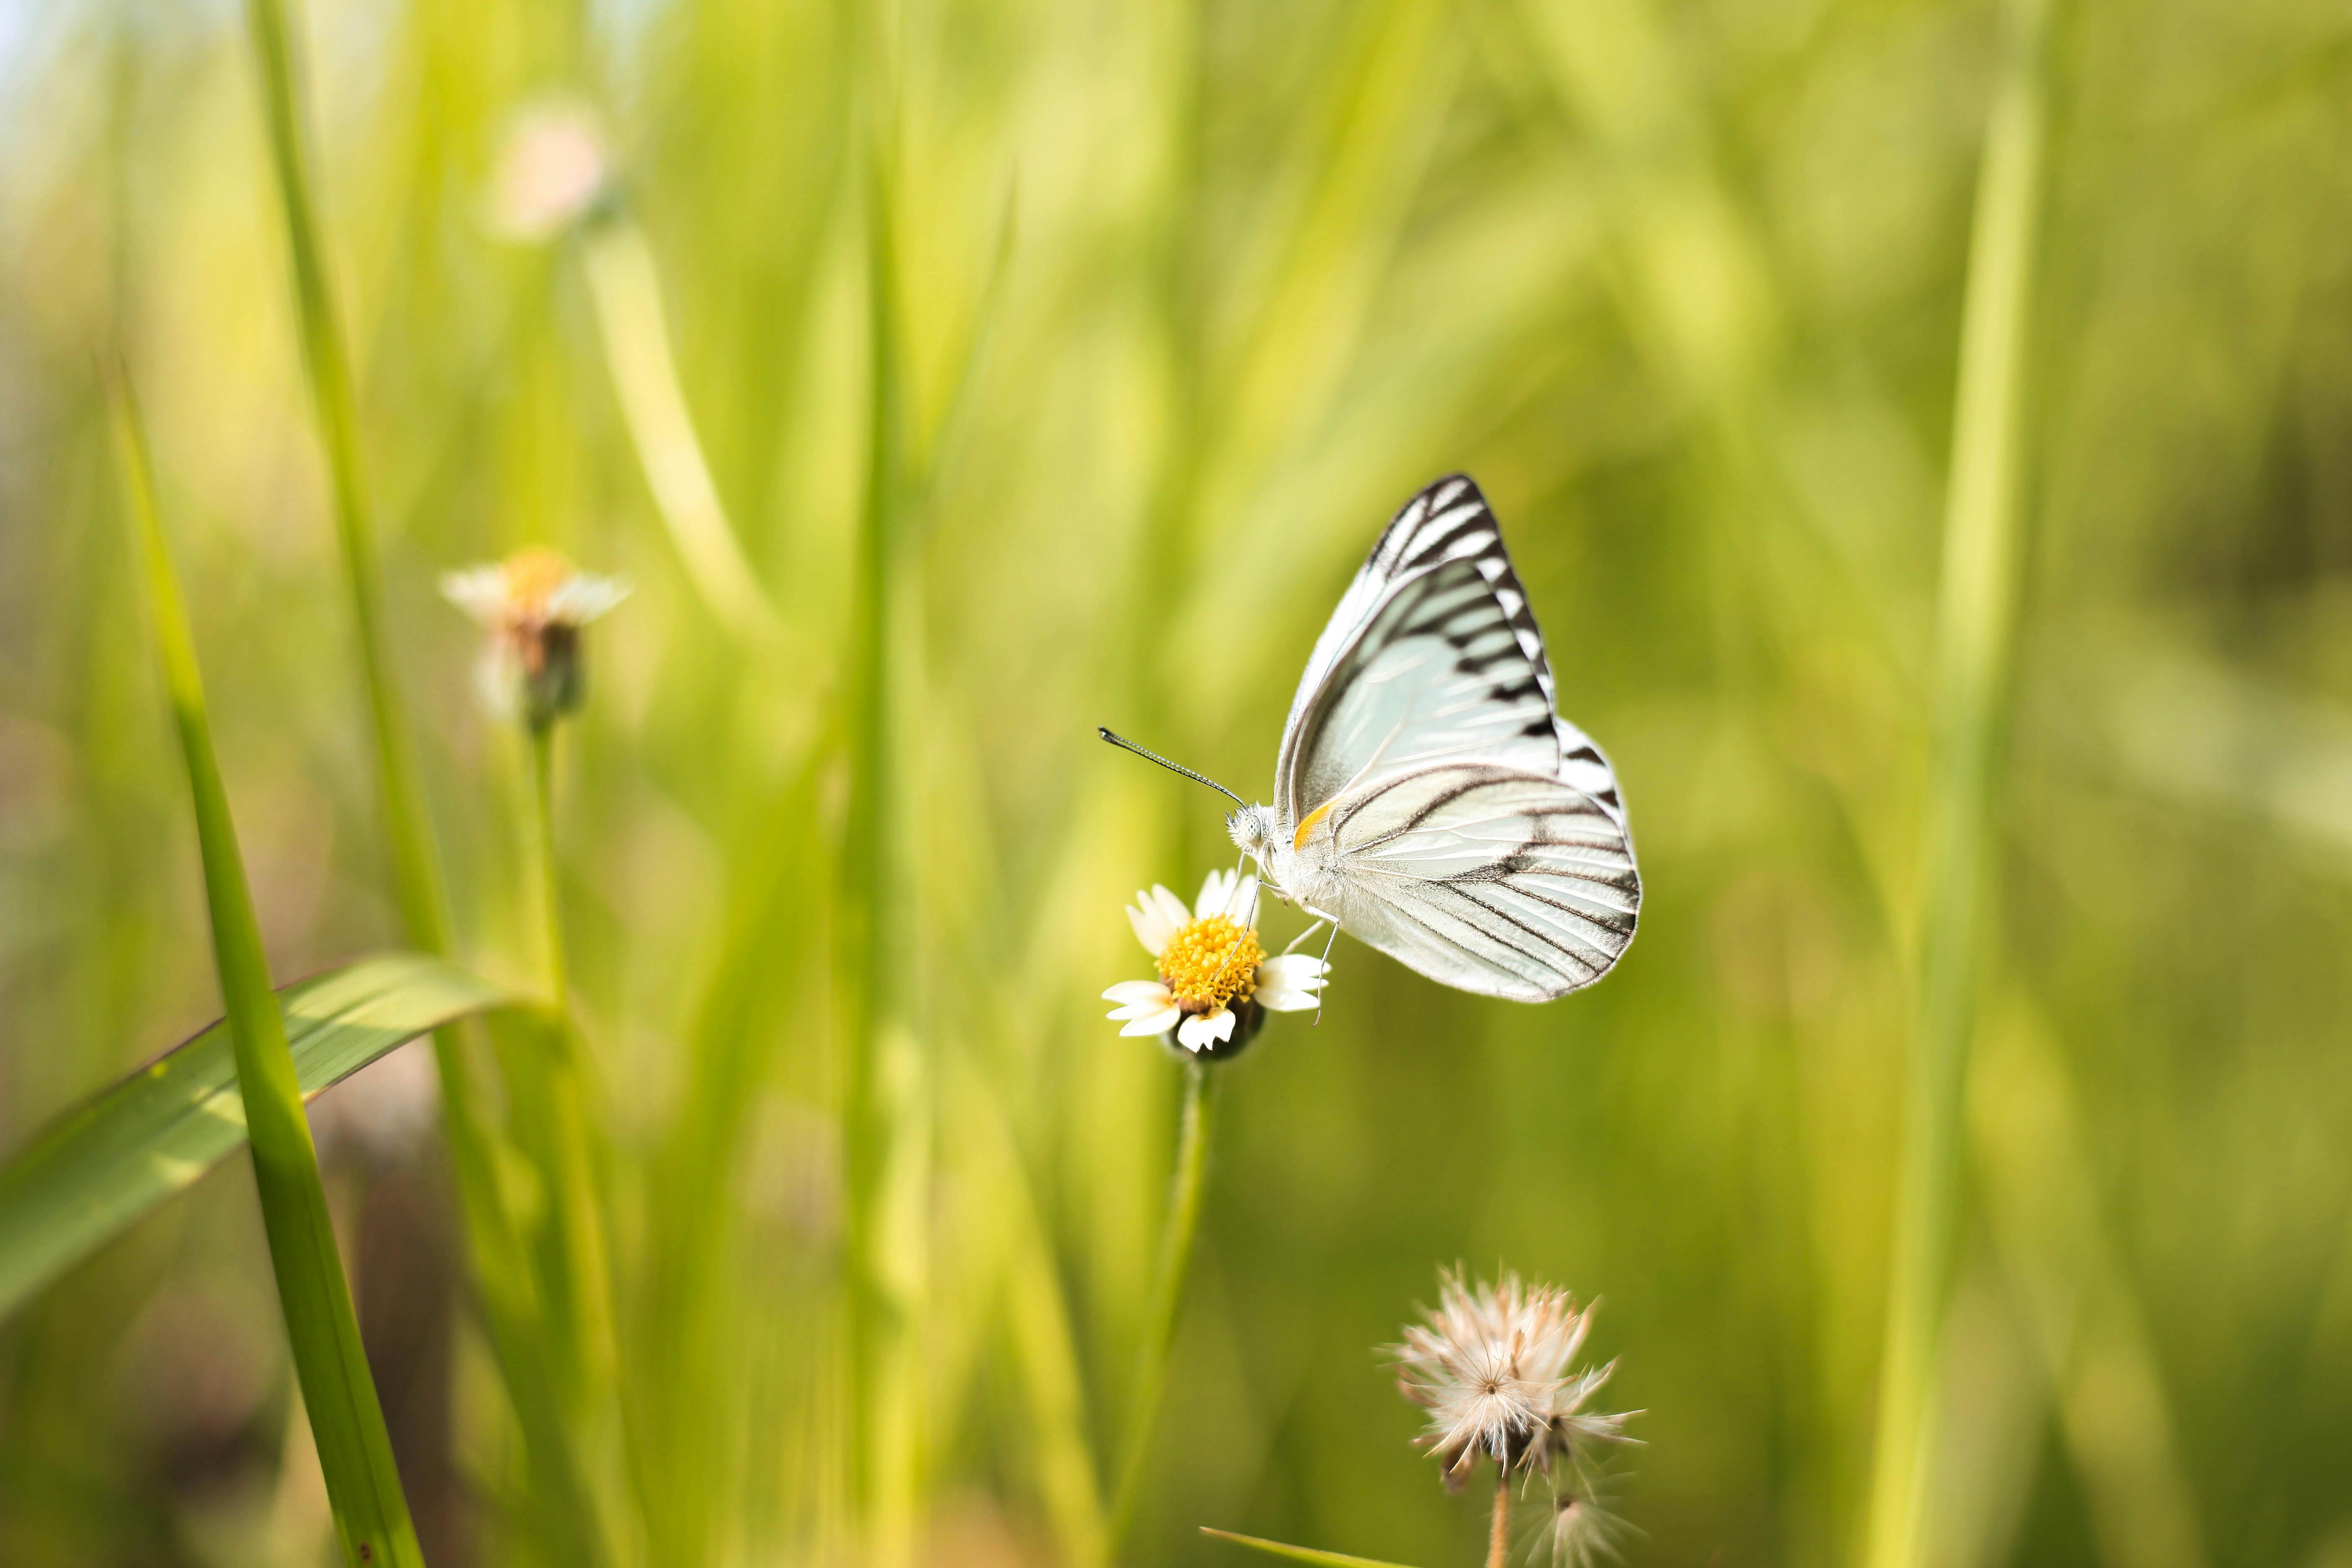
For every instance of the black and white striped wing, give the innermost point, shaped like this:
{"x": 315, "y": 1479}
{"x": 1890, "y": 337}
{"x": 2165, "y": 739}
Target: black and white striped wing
{"x": 1481, "y": 837}
{"x": 1491, "y": 880}
{"x": 1433, "y": 656}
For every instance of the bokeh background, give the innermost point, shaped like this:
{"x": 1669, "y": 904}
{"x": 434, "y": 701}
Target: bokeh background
{"x": 1186, "y": 300}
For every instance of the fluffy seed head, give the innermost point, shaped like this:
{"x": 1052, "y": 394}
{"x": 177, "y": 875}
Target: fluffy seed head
{"x": 1491, "y": 1366}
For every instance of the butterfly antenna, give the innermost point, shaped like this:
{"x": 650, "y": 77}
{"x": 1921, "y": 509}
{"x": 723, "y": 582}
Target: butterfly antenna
{"x": 1123, "y": 743}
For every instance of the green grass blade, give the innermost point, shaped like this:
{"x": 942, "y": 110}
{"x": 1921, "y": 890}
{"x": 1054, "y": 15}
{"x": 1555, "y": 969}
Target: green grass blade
{"x": 511, "y": 1301}
{"x": 416, "y": 876}
{"x": 346, "y": 1420}
{"x": 626, "y": 288}
{"x": 97, "y": 1169}
{"x": 1298, "y": 1554}
{"x": 1976, "y": 637}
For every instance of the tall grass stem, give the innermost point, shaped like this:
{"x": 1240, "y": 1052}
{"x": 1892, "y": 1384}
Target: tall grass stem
{"x": 626, "y": 288}
{"x": 1976, "y": 635}
{"x": 511, "y": 1301}
{"x": 1196, "y": 1127}
{"x": 416, "y": 878}
{"x": 363, "y": 1490}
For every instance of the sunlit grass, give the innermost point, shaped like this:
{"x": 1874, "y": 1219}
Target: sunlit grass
{"x": 952, "y": 378}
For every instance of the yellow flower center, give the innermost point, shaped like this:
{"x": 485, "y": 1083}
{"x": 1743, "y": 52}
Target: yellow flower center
{"x": 532, "y": 577}
{"x": 1211, "y": 963}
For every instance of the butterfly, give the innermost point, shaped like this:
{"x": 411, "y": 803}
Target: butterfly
{"x": 1428, "y": 798}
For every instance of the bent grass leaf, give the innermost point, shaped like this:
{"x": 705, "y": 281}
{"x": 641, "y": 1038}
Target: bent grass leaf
{"x": 347, "y": 1422}
{"x": 1298, "y": 1554}
{"x": 99, "y": 1169}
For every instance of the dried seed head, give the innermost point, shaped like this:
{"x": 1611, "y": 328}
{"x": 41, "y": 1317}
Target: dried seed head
{"x": 1491, "y": 1365}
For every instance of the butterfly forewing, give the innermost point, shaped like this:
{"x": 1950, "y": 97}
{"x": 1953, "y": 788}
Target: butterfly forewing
{"x": 1477, "y": 836}
{"x": 1436, "y": 676}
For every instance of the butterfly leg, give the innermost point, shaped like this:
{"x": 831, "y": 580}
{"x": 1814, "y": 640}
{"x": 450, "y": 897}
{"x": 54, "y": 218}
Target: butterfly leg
{"x": 1327, "y": 965}
{"x": 1320, "y": 922}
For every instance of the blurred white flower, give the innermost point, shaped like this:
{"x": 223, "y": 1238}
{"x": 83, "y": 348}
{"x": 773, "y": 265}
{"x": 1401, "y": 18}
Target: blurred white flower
{"x": 534, "y": 603}
{"x": 1216, "y": 983}
{"x": 1491, "y": 1367}
{"x": 553, "y": 169}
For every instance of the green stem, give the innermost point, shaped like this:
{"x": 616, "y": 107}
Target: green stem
{"x": 1975, "y": 638}
{"x": 346, "y": 1420}
{"x": 563, "y": 1085}
{"x": 546, "y": 902}
{"x": 1197, "y": 1126}
{"x": 880, "y": 1113}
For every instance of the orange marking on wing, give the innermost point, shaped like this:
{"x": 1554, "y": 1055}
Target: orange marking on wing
{"x": 1298, "y": 839}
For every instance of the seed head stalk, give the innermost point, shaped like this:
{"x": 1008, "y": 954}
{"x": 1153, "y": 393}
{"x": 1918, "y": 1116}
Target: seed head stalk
{"x": 1976, "y": 633}
{"x": 1190, "y": 1181}
{"x": 1498, "y": 1529}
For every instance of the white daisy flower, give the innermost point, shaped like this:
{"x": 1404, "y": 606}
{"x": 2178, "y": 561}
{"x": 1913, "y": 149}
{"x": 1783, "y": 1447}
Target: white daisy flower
{"x": 534, "y": 603}
{"x": 1216, "y": 983}
{"x": 1491, "y": 1367}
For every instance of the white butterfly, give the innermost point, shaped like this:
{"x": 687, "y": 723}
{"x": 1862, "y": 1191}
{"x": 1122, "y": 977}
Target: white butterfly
{"x": 1428, "y": 799}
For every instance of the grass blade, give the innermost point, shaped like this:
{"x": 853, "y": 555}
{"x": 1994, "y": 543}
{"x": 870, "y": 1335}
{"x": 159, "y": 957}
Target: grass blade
{"x": 1298, "y": 1554}
{"x": 416, "y": 878}
{"x": 512, "y": 1301}
{"x": 346, "y": 1420}
{"x": 1976, "y": 637}
{"x": 626, "y": 288}
{"x": 97, "y": 1169}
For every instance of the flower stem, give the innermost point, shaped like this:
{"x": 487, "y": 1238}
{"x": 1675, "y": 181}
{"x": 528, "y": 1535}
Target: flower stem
{"x": 1199, "y": 1123}
{"x": 1498, "y": 1530}
{"x": 547, "y": 909}
{"x": 564, "y": 1087}
{"x": 1976, "y": 635}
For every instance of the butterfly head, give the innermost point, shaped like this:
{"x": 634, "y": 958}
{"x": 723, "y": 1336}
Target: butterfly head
{"x": 1254, "y": 830}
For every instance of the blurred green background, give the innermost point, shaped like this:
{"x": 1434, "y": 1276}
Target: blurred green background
{"x": 1188, "y": 298}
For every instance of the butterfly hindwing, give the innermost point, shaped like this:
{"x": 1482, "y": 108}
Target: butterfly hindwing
{"x": 1497, "y": 881}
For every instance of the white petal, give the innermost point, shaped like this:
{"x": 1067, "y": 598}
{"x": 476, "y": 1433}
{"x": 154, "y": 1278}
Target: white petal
{"x": 581, "y": 597}
{"x": 1296, "y": 971}
{"x": 1171, "y": 908}
{"x": 1156, "y": 1023}
{"x": 1244, "y": 907}
{"x": 1197, "y": 1031}
{"x": 1215, "y": 893}
{"x": 1283, "y": 999}
{"x": 1153, "y": 928}
{"x": 1137, "y": 991}
{"x": 479, "y": 591}
{"x": 1222, "y": 1021}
